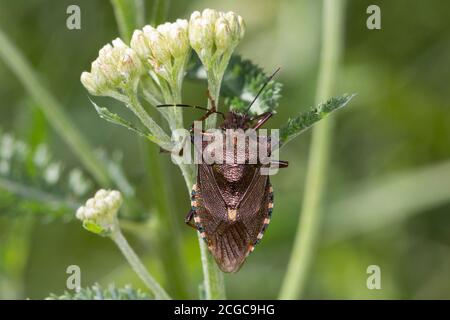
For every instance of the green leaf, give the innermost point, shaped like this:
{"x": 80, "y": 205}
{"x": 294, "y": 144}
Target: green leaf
{"x": 240, "y": 85}
{"x": 297, "y": 125}
{"x": 107, "y": 115}
{"x": 96, "y": 292}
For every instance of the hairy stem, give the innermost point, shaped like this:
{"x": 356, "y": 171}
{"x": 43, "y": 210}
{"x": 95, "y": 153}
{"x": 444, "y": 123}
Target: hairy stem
{"x": 138, "y": 266}
{"x": 308, "y": 227}
{"x": 214, "y": 83}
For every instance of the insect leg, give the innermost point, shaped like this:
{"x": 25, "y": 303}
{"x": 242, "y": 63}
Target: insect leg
{"x": 277, "y": 163}
{"x": 280, "y": 163}
{"x": 188, "y": 219}
{"x": 262, "y": 118}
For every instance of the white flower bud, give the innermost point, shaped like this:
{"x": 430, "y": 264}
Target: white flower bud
{"x": 114, "y": 68}
{"x": 223, "y": 37}
{"x": 210, "y": 15}
{"x": 139, "y": 44}
{"x": 241, "y": 27}
{"x": 101, "y": 211}
{"x": 81, "y": 213}
{"x": 101, "y": 194}
{"x": 90, "y": 203}
{"x": 130, "y": 65}
{"x": 177, "y": 36}
{"x": 236, "y": 29}
{"x": 88, "y": 81}
{"x": 158, "y": 45}
{"x": 101, "y": 205}
{"x": 89, "y": 213}
{"x": 196, "y": 33}
{"x": 224, "y": 30}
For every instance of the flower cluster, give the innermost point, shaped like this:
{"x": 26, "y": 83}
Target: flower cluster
{"x": 99, "y": 214}
{"x": 213, "y": 34}
{"x": 116, "y": 67}
{"x": 165, "y": 49}
{"x": 153, "y": 66}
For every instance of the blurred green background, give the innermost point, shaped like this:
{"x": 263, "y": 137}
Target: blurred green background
{"x": 388, "y": 193}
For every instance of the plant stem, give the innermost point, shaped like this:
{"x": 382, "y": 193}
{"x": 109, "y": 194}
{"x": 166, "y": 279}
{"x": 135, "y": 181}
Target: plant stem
{"x": 53, "y": 110}
{"x": 214, "y": 83}
{"x": 308, "y": 227}
{"x": 137, "y": 265}
{"x": 213, "y": 278}
{"x": 162, "y": 138}
{"x": 159, "y": 12}
{"x": 129, "y": 15}
{"x": 169, "y": 240}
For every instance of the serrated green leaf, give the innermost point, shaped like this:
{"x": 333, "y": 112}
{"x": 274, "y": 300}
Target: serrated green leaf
{"x": 114, "y": 118}
{"x": 96, "y": 292}
{"x": 240, "y": 85}
{"x": 299, "y": 124}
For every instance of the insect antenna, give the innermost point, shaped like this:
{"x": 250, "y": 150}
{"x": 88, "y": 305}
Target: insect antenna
{"x": 182, "y": 105}
{"x": 262, "y": 89}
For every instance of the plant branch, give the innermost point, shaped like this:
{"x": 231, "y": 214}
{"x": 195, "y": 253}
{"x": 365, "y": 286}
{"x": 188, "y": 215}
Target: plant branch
{"x": 308, "y": 227}
{"x": 137, "y": 265}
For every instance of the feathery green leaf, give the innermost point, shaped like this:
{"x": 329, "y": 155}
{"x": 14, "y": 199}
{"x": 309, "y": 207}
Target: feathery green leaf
{"x": 297, "y": 125}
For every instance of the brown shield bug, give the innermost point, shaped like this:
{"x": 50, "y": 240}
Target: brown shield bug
{"x": 232, "y": 203}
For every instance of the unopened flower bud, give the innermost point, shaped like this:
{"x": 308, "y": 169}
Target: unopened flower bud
{"x": 212, "y": 29}
{"x": 99, "y": 214}
{"x": 115, "y": 67}
{"x": 158, "y": 45}
{"x": 139, "y": 44}
{"x": 223, "y": 37}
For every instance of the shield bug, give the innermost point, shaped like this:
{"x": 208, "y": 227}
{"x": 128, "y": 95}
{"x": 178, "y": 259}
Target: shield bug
{"x": 231, "y": 202}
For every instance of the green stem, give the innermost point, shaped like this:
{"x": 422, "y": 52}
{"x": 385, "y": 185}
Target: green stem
{"x": 138, "y": 266}
{"x": 308, "y": 227}
{"x": 159, "y": 12}
{"x": 214, "y": 83}
{"x": 163, "y": 139}
{"x": 169, "y": 240}
{"x": 129, "y": 16}
{"x": 53, "y": 110}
